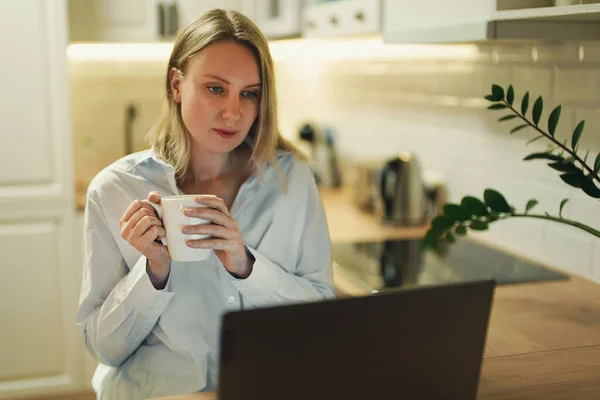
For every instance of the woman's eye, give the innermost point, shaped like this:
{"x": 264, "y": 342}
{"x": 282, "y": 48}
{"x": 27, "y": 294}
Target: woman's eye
{"x": 250, "y": 95}
{"x": 215, "y": 89}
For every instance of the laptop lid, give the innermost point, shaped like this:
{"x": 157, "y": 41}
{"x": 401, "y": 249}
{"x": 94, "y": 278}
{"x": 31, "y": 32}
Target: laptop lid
{"x": 415, "y": 343}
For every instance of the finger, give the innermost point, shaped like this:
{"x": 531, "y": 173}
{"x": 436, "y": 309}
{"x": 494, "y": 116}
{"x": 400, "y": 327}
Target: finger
{"x": 138, "y": 215}
{"x": 154, "y": 197}
{"x": 215, "y": 244}
{"x": 213, "y": 202}
{"x": 145, "y": 223}
{"x": 128, "y": 226}
{"x": 151, "y": 235}
{"x": 211, "y": 214}
{"x": 131, "y": 209}
{"x": 210, "y": 229}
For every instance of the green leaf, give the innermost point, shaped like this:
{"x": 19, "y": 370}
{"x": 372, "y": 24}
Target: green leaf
{"x": 491, "y": 97}
{"x": 525, "y": 104}
{"x": 546, "y": 156}
{"x": 461, "y": 230}
{"x": 562, "y": 204}
{"x": 534, "y": 139}
{"x": 591, "y": 189}
{"x": 597, "y": 164}
{"x": 587, "y": 153}
{"x": 497, "y": 106}
{"x": 538, "y": 108}
{"x": 496, "y": 201}
{"x": 478, "y": 225}
{"x": 456, "y": 212}
{"x": 530, "y": 204}
{"x": 498, "y": 91}
{"x": 565, "y": 166}
{"x": 440, "y": 223}
{"x": 450, "y": 238}
{"x": 518, "y": 128}
{"x": 510, "y": 95}
{"x": 430, "y": 240}
{"x": 553, "y": 120}
{"x": 577, "y": 134}
{"x": 575, "y": 180}
{"x": 474, "y": 206}
{"x": 507, "y": 117}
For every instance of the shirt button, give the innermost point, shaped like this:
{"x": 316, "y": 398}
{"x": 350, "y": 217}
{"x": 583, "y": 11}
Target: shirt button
{"x": 231, "y": 299}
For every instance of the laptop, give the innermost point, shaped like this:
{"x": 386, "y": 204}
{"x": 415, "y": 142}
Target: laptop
{"x": 423, "y": 342}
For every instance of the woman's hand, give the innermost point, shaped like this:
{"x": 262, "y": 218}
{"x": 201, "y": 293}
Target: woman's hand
{"x": 141, "y": 228}
{"x": 226, "y": 239}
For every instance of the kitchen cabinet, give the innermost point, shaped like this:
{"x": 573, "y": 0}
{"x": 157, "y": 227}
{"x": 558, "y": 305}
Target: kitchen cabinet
{"x": 442, "y": 21}
{"x": 278, "y": 19}
{"x": 140, "y": 20}
{"x": 40, "y": 350}
{"x": 341, "y": 18}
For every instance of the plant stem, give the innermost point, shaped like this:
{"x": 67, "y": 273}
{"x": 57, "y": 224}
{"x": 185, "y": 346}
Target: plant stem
{"x": 576, "y": 224}
{"x": 556, "y": 142}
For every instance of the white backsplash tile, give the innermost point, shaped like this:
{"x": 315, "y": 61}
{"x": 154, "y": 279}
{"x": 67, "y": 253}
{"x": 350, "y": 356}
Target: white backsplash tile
{"x": 577, "y": 85}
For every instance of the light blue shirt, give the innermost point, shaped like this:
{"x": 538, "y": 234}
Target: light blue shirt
{"x": 163, "y": 342}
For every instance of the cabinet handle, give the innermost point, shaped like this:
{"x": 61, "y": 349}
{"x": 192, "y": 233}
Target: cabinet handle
{"x": 360, "y": 16}
{"x": 161, "y": 20}
{"x": 173, "y": 20}
{"x": 333, "y": 20}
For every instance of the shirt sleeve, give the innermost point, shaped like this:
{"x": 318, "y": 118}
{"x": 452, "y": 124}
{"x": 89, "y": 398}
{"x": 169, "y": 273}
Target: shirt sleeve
{"x": 312, "y": 280}
{"x": 118, "y": 306}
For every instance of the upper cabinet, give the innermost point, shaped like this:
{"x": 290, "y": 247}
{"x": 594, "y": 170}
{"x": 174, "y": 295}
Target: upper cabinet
{"x": 140, "y": 20}
{"x": 278, "y": 19}
{"x": 341, "y": 18}
{"x": 442, "y": 21}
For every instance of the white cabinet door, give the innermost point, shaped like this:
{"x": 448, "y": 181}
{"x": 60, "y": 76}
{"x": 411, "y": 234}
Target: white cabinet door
{"x": 117, "y": 20}
{"x": 406, "y": 21}
{"x": 341, "y": 18}
{"x": 40, "y": 347}
{"x": 279, "y": 18}
{"x": 442, "y": 21}
{"x": 189, "y": 10}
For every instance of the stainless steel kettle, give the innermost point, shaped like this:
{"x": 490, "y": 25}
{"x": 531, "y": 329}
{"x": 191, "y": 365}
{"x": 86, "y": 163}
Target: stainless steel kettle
{"x": 402, "y": 191}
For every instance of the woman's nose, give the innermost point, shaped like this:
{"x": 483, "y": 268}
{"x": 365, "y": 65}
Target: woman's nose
{"x": 232, "y": 111}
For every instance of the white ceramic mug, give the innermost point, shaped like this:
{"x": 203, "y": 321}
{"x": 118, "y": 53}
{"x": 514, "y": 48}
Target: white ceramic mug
{"x": 170, "y": 211}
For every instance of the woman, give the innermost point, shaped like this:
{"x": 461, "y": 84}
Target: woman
{"x": 153, "y": 323}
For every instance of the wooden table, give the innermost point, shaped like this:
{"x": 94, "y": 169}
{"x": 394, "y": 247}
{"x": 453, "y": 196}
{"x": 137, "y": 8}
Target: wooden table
{"x": 543, "y": 339}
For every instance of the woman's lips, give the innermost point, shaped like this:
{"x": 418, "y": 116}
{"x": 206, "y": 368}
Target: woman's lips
{"x": 226, "y": 133}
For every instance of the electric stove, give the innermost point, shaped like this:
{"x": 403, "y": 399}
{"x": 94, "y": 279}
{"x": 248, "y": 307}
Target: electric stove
{"x": 385, "y": 265}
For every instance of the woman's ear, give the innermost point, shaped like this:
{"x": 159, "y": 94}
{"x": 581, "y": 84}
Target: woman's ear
{"x": 175, "y": 84}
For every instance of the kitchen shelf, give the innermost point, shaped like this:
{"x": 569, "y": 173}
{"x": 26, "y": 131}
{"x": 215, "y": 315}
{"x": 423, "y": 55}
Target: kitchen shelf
{"x": 480, "y": 21}
{"x": 584, "y": 12}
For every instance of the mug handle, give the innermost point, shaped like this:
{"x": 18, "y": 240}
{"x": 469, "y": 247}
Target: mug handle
{"x": 159, "y": 212}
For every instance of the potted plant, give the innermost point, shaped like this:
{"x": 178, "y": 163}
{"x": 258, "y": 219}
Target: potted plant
{"x": 564, "y": 157}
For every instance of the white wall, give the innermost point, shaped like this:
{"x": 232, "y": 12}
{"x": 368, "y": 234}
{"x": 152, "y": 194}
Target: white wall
{"x": 429, "y": 100}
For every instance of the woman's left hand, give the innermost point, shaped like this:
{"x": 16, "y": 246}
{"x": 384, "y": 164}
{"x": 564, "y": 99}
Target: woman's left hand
{"x": 226, "y": 239}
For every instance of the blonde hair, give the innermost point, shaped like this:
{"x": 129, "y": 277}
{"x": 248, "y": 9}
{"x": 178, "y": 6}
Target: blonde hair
{"x": 169, "y": 136}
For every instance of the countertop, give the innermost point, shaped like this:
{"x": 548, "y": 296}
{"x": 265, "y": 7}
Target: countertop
{"x": 543, "y": 339}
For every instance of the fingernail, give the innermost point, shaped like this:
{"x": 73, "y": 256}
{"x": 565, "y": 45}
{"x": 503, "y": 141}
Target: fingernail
{"x": 184, "y": 229}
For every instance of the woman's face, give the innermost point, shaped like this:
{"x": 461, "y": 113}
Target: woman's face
{"x": 219, "y": 96}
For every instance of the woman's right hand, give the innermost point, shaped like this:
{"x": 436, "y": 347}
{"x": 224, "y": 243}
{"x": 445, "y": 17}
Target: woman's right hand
{"x": 140, "y": 227}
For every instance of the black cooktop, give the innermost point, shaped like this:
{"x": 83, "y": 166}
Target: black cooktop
{"x": 385, "y": 265}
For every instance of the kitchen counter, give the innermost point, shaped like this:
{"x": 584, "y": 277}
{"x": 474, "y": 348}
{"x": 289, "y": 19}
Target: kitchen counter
{"x": 543, "y": 339}
{"x": 543, "y": 343}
